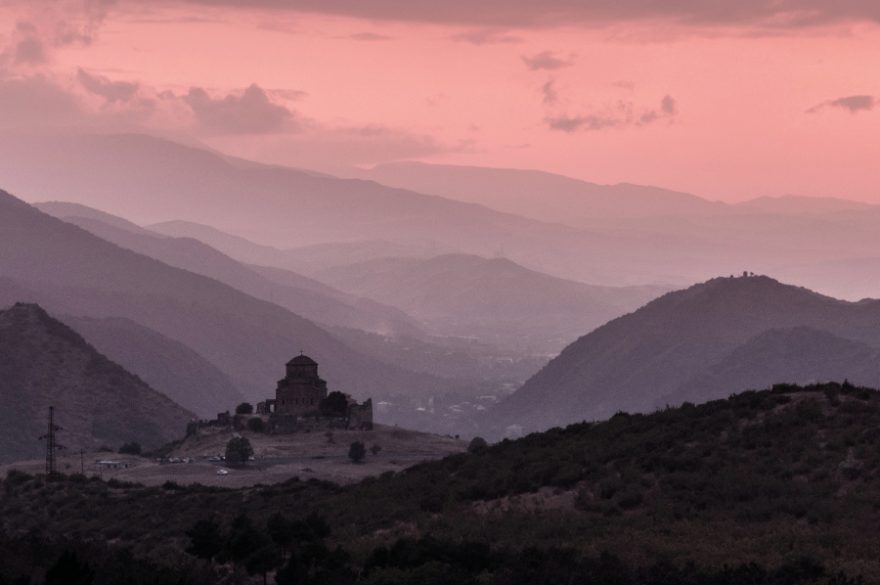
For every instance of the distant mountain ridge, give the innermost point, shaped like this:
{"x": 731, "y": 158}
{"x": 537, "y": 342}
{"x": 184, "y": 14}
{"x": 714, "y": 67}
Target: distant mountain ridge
{"x": 494, "y": 300}
{"x": 539, "y": 194}
{"x": 698, "y": 344}
{"x": 292, "y": 291}
{"x": 97, "y": 402}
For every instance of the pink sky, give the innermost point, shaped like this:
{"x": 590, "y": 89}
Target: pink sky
{"x": 728, "y": 105}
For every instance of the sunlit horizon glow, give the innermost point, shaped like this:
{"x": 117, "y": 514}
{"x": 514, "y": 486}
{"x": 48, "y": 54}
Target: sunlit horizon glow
{"x": 725, "y": 107}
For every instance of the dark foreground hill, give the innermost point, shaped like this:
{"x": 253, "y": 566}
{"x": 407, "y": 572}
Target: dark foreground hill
{"x": 778, "y": 487}
{"x": 698, "y": 344}
{"x": 44, "y": 363}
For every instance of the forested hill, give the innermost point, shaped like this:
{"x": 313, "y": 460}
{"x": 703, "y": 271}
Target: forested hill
{"x": 777, "y": 486}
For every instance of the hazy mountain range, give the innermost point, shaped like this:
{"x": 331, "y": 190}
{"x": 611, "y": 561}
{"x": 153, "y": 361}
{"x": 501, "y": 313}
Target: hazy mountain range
{"x": 76, "y": 273}
{"x": 98, "y": 403}
{"x": 299, "y": 294}
{"x": 608, "y": 235}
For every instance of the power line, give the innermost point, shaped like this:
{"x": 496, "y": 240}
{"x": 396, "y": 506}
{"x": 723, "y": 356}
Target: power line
{"x": 51, "y": 444}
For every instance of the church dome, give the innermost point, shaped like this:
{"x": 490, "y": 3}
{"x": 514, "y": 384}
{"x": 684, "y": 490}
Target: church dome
{"x": 302, "y": 360}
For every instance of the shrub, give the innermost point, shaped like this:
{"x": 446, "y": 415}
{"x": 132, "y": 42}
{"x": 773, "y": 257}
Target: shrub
{"x": 477, "y": 444}
{"x": 357, "y": 452}
{"x": 244, "y": 408}
{"x": 238, "y": 451}
{"x": 256, "y": 425}
{"x": 131, "y": 448}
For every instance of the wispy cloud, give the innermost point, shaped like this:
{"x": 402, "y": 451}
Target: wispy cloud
{"x": 547, "y": 60}
{"x": 549, "y": 93}
{"x": 622, "y": 114}
{"x": 486, "y": 36}
{"x": 112, "y": 91}
{"x": 369, "y": 37}
{"x": 851, "y": 103}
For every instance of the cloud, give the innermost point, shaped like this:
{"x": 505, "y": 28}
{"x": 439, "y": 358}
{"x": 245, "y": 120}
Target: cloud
{"x": 486, "y": 36}
{"x": 528, "y": 13}
{"x": 547, "y": 60}
{"x": 43, "y": 26}
{"x": 549, "y": 93}
{"x": 622, "y": 114}
{"x": 27, "y": 48}
{"x": 369, "y": 37}
{"x": 248, "y": 112}
{"x": 852, "y": 103}
{"x": 574, "y": 123}
{"x": 112, "y": 91}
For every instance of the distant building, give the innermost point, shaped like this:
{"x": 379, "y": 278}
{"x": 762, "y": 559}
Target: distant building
{"x": 298, "y": 396}
{"x": 301, "y": 390}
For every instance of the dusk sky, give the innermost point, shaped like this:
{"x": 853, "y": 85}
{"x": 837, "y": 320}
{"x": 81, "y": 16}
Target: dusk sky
{"x": 729, "y": 100}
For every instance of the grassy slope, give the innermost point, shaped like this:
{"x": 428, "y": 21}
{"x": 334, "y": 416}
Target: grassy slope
{"x": 763, "y": 477}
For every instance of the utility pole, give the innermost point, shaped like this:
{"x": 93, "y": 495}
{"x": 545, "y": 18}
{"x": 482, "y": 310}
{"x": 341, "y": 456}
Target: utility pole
{"x": 51, "y": 445}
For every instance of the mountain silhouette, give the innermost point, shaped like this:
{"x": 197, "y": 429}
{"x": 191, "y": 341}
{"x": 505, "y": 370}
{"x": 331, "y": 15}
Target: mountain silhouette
{"x": 698, "y": 344}
{"x": 97, "y": 402}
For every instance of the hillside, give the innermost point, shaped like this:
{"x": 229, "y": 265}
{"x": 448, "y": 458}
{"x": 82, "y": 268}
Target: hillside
{"x": 645, "y": 359}
{"x": 297, "y": 293}
{"x": 772, "y": 487}
{"x": 249, "y": 340}
{"x": 493, "y": 300}
{"x": 97, "y": 402}
{"x": 166, "y": 365}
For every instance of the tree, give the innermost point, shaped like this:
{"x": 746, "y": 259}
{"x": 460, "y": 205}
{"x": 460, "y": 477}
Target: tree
{"x": 238, "y": 451}
{"x": 244, "y": 408}
{"x": 357, "y": 452}
{"x": 477, "y": 444}
{"x": 69, "y": 570}
{"x": 336, "y": 404}
{"x": 256, "y": 425}
{"x": 131, "y": 448}
{"x": 263, "y": 559}
{"x": 206, "y": 539}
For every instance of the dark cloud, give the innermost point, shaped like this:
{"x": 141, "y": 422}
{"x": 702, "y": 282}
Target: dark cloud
{"x": 547, "y": 60}
{"x": 851, "y": 103}
{"x": 623, "y": 114}
{"x": 528, "y": 13}
{"x": 112, "y": 91}
{"x": 248, "y": 112}
{"x": 486, "y": 36}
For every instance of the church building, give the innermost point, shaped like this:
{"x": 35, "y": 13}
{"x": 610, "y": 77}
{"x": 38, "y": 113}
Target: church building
{"x": 301, "y": 390}
{"x": 299, "y": 394}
